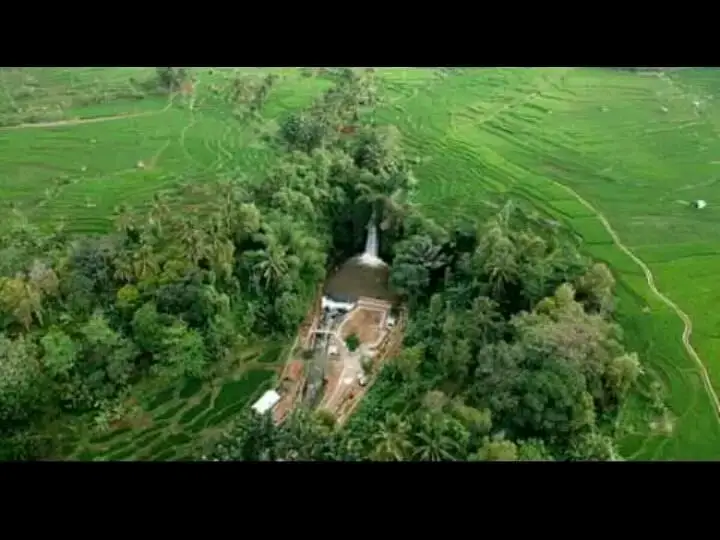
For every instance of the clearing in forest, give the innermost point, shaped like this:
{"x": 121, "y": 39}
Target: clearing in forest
{"x": 638, "y": 147}
{"x": 365, "y": 323}
{"x": 340, "y": 347}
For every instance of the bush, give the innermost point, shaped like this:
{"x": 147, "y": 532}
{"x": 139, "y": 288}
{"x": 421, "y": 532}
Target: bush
{"x": 352, "y": 342}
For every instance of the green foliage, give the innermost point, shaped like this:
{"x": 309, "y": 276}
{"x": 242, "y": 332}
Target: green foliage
{"x": 59, "y": 352}
{"x": 486, "y": 134}
{"x": 171, "y": 78}
{"x": 352, "y": 342}
{"x": 170, "y": 294}
{"x": 498, "y": 366}
{"x": 510, "y": 352}
{"x": 505, "y": 359}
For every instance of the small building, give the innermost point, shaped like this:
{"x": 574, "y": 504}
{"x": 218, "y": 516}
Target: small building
{"x": 699, "y": 204}
{"x": 336, "y": 305}
{"x": 268, "y": 400}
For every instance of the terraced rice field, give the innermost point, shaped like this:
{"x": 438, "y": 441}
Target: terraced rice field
{"x": 175, "y": 422}
{"x": 638, "y": 148}
{"x": 79, "y": 172}
{"x": 580, "y": 145}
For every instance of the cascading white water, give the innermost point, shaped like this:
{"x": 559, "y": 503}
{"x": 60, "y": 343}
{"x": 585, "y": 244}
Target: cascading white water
{"x": 371, "y": 244}
{"x": 370, "y": 256}
{"x": 365, "y": 274}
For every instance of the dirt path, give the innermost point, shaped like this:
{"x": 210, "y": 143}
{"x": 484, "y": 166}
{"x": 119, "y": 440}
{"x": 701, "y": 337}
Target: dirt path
{"x": 79, "y": 121}
{"x": 650, "y": 279}
{"x": 347, "y": 379}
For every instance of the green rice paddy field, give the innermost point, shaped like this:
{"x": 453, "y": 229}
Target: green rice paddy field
{"x": 174, "y": 422}
{"x": 578, "y": 144}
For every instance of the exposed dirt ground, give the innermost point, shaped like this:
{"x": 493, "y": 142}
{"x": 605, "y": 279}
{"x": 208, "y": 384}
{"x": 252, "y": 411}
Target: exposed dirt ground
{"x": 332, "y": 380}
{"x": 364, "y": 323}
{"x": 292, "y": 381}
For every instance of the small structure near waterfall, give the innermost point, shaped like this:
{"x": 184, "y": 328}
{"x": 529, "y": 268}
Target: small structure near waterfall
{"x": 356, "y": 303}
{"x": 335, "y": 305}
{"x": 268, "y": 400}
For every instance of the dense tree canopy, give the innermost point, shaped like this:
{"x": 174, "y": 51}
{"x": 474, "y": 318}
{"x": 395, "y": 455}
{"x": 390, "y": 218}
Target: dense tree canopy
{"x": 168, "y": 293}
{"x": 504, "y": 359}
{"x": 510, "y": 353}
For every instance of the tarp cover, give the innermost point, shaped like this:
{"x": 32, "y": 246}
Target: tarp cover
{"x": 268, "y": 400}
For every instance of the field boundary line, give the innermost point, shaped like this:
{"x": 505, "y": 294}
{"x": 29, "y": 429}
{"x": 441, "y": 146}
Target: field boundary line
{"x": 542, "y": 84}
{"x": 650, "y": 280}
{"x": 80, "y": 121}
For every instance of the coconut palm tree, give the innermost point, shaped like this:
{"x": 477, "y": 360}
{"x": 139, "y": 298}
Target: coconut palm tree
{"x": 124, "y": 267}
{"x": 391, "y": 440}
{"x": 270, "y": 265}
{"x": 194, "y": 240}
{"x": 159, "y": 213}
{"x": 144, "y": 264}
{"x": 123, "y": 219}
{"x": 305, "y": 252}
{"x": 537, "y": 277}
{"x": 23, "y": 299}
{"x": 222, "y": 253}
{"x": 387, "y": 194}
{"x": 432, "y": 443}
{"x": 499, "y": 262}
{"x": 423, "y": 252}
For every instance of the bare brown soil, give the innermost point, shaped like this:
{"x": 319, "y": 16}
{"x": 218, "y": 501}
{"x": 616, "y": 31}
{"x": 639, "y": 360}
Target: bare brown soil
{"x": 332, "y": 386}
{"x": 295, "y": 370}
{"x": 287, "y": 403}
{"x": 389, "y": 348}
{"x": 364, "y": 323}
{"x": 187, "y": 88}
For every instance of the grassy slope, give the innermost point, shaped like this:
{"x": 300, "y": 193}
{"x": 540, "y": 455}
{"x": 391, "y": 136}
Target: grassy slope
{"x": 485, "y": 134}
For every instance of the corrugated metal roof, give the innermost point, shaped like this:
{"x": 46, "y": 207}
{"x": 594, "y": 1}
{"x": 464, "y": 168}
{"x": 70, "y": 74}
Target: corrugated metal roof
{"x": 268, "y": 400}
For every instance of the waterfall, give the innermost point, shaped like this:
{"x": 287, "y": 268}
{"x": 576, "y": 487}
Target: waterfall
{"x": 370, "y": 256}
{"x": 371, "y": 244}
